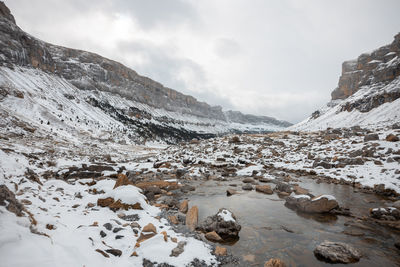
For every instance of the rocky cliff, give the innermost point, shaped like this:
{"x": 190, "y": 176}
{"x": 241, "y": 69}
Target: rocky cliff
{"x": 368, "y": 93}
{"x": 379, "y": 66}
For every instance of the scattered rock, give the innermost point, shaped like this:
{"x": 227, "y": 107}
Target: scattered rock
{"x": 371, "y": 137}
{"x": 220, "y": 251}
{"x": 192, "y": 218}
{"x": 275, "y": 263}
{"x": 337, "y": 252}
{"x": 114, "y": 251}
{"x": 230, "y": 192}
{"x": 179, "y": 249}
{"x": 173, "y": 219}
{"x": 247, "y": 187}
{"x": 223, "y": 223}
{"x": 105, "y": 202}
{"x": 266, "y": 189}
{"x": 102, "y": 233}
{"x": 304, "y": 203}
{"x": 283, "y": 187}
{"x": 213, "y": 236}
{"x": 392, "y": 138}
{"x": 183, "y": 207}
{"x": 103, "y": 253}
{"x": 7, "y": 198}
{"x": 150, "y": 228}
{"x": 248, "y": 180}
{"x": 122, "y": 180}
{"x": 108, "y": 226}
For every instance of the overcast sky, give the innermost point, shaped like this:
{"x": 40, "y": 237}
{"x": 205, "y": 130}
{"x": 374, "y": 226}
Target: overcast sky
{"x": 277, "y": 58}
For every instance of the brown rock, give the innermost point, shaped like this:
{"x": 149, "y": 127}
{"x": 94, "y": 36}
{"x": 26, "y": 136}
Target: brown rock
{"x": 119, "y": 205}
{"x": 220, "y": 251}
{"x": 230, "y": 192}
{"x": 103, "y": 253}
{"x": 192, "y": 218}
{"x": 165, "y": 236}
{"x": 184, "y": 206}
{"x": 392, "y": 138}
{"x": 150, "y": 228}
{"x": 105, "y": 202}
{"x": 134, "y": 254}
{"x": 143, "y": 237}
{"x": 266, "y": 189}
{"x": 173, "y": 219}
{"x": 275, "y": 263}
{"x": 114, "y": 251}
{"x": 300, "y": 191}
{"x": 122, "y": 180}
{"x": 213, "y": 236}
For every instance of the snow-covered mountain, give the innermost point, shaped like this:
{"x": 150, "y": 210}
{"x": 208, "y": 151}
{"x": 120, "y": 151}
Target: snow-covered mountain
{"x": 368, "y": 93}
{"x": 67, "y": 91}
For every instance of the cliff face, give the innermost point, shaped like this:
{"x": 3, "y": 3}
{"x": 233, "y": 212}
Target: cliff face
{"x": 89, "y": 71}
{"x": 380, "y": 66}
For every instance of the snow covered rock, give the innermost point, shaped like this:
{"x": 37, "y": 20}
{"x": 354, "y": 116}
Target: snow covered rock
{"x": 321, "y": 204}
{"x": 224, "y": 223}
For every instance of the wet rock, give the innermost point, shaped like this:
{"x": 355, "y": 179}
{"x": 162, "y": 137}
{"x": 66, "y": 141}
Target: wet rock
{"x": 150, "y": 228}
{"x": 248, "y": 180}
{"x": 247, "y": 187}
{"x": 223, "y": 223}
{"x": 336, "y": 252}
{"x": 275, "y": 263}
{"x": 192, "y": 218}
{"x": 230, "y": 192}
{"x": 387, "y": 214}
{"x": 283, "y": 187}
{"x": 300, "y": 191}
{"x": 115, "y": 252}
{"x": 371, "y": 137}
{"x": 392, "y": 138}
{"x": 266, "y": 189}
{"x": 183, "y": 207}
{"x": 213, "y": 236}
{"x": 178, "y": 250}
{"x": 304, "y": 203}
{"x": 220, "y": 251}
{"x": 7, "y": 198}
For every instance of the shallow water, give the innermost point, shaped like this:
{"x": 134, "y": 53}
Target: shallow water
{"x": 270, "y": 230}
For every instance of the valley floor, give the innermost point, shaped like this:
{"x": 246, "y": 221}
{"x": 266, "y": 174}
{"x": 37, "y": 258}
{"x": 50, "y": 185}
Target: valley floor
{"x": 75, "y": 214}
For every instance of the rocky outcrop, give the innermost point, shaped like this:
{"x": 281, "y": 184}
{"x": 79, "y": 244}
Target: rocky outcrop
{"x": 89, "y": 71}
{"x": 380, "y": 66}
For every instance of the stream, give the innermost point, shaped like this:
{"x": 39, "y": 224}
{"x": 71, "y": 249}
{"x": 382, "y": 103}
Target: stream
{"x": 271, "y": 230}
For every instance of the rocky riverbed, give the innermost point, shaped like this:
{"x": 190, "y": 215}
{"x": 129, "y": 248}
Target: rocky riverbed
{"x": 288, "y": 198}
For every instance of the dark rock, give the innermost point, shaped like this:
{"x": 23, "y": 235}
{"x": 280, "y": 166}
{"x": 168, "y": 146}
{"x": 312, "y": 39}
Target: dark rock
{"x": 115, "y": 252}
{"x": 224, "y": 228}
{"x": 102, "y": 233}
{"x": 283, "y": 187}
{"x": 371, "y": 137}
{"x": 131, "y": 217}
{"x": 248, "y": 187}
{"x": 178, "y": 250}
{"x": 117, "y": 229}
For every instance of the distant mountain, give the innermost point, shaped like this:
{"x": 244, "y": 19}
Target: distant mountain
{"x": 143, "y": 107}
{"x": 368, "y": 93}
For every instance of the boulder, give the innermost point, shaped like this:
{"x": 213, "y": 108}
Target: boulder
{"x": 192, "y": 218}
{"x": 266, "y": 189}
{"x": 248, "y": 180}
{"x": 283, "y": 187}
{"x": 371, "y": 137}
{"x": 230, "y": 192}
{"x": 337, "y": 252}
{"x": 392, "y": 138}
{"x": 275, "y": 263}
{"x": 247, "y": 187}
{"x": 224, "y": 223}
{"x": 150, "y": 228}
{"x": 304, "y": 203}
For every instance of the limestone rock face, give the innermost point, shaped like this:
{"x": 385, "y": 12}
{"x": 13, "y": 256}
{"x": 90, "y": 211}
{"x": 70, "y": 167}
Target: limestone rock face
{"x": 380, "y": 66}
